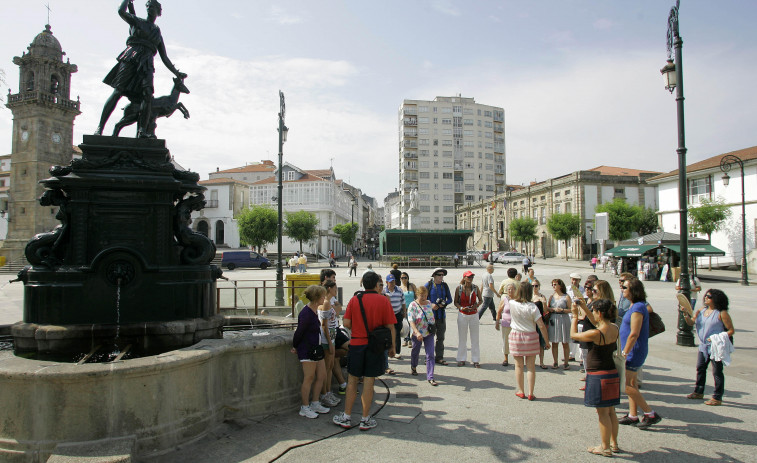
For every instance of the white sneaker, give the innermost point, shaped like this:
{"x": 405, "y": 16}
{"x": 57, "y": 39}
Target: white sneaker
{"x": 334, "y": 399}
{"x": 328, "y": 401}
{"x": 367, "y": 424}
{"x": 343, "y": 420}
{"x": 307, "y": 412}
{"x": 318, "y": 408}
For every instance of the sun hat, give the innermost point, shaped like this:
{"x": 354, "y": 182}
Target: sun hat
{"x": 575, "y": 275}
{"x": 439, "y": 270}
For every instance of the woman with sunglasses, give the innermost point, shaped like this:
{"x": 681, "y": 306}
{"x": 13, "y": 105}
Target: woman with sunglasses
{"x": 634, "y": 338}
{"x": 559, "y": 321}
{"x": 602, "y": 379}
{"x": 540, "y": 302}
{"x": 409, "y": 290}
{"x": 711, "y": 320}
{"x": 467, "y": 299}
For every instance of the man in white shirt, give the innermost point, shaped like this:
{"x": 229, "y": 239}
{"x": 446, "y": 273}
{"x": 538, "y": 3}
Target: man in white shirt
{"x": 487, "y": 294}
{"x": 695, "y": 285}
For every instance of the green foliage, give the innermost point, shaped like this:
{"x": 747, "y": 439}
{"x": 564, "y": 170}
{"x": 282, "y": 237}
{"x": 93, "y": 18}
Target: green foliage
{"x": 622, "y": 218}
{"x": 258, "y": 225}
{"x": 564, "y": 227}
{"x": 523, "y": 229}
{"x": 646, "y": 220}
{"x": 709, "y": 216}
{"x": 301, "y": 226}
{"x": 347, "y": 232}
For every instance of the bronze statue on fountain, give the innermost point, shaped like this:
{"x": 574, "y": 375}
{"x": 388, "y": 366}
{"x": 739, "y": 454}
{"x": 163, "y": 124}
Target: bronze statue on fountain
{"x": 125, "y": 262}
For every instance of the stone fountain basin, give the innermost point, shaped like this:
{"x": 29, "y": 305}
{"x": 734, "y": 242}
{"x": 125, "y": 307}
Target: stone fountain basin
{"x": 150, "y": 404}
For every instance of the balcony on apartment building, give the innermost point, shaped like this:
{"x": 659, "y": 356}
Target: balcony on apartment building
{"x": 410, "y": 133}
{"x": 410, "y": 111}
{"x": 409, "y": 143}
{"x": 411, "y": 121}
{"x": 410, "y": 154}
{"x": 210, "y": 203}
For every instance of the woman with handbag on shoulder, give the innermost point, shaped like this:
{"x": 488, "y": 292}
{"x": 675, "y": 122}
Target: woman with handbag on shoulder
{"x": 420, "y": 315}
{"x": 307, "y": 345}
{"x": 602, "y": 378}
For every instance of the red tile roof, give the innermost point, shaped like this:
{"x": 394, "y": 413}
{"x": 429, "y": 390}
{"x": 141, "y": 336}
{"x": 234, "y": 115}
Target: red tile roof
{"x": 262, "y": 167}
{"x": 609, "y": 170}
{"x": 744, "y": 154}
{"x": 220, "y": 181}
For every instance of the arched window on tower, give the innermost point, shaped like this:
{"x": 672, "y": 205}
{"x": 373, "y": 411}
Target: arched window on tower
{"x": 30, "y": 82}
{"x": 54, "y": 84}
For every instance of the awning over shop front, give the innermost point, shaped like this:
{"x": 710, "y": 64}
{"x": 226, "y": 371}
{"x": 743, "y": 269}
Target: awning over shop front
{"x": 697, "y": 250}
{"x": 630, "y": 250}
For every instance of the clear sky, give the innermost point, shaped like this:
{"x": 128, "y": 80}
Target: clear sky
{"x": 579, "y": 79}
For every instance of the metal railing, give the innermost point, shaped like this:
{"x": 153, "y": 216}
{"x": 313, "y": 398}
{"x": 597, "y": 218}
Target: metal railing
{"x": 254, "y": 296}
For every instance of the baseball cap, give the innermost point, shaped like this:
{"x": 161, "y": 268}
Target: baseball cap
{"x": 389, "y": 278}
{"x": 468, "y": 274}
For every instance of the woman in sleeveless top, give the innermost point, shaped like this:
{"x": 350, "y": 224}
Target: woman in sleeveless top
{"x": 711, "y": 319}
{"x": 602, "y": 380}
{"x": 559, "y": 322}
{"x": 467, "y": 300}
{"x": 541, "y": 302}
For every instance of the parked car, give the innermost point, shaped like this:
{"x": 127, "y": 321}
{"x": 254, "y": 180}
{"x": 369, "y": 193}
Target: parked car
{"x": 495, "y": 255}
{"x": 244, "y": 259}
{"x": 511, "y": 258}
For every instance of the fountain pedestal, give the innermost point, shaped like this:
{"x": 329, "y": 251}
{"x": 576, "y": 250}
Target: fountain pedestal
{"x": 124, "y": 262}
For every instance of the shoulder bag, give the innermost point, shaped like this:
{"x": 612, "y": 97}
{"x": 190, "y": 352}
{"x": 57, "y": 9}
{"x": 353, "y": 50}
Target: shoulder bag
{"x": 379, "y": 339}
{"x": 431, "y": 326}
{"x": 656, "y": 326}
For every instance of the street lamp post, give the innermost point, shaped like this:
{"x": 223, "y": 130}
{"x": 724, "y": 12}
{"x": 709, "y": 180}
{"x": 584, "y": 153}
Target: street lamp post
{"x": 591, "y": 242}
{"x": 544, "y": 245}
{"x": 279, "y": 265}
{"x": 725, "y": 165}
{"x": 672, "y": 73}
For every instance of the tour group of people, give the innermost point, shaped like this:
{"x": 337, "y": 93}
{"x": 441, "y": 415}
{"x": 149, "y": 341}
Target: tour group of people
{"x": 581, "y": 322}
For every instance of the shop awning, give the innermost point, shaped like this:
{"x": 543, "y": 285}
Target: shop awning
{"x": 698, "y": 250}
{"x": 630, "y": 250}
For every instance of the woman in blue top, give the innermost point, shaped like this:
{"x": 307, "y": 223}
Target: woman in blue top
{"x": 634, "y": 337}
{"x": 710, "y": 320}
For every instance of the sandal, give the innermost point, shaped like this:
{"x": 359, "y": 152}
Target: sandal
{"x": 531, "y": 397}
{"x": 713, "y": 402}
{"x": 442, "y": 362}
{"x": 413, "y": 372}
{"x": 389, "y": 371}
{"x": 504, "y": 364}
{"x": 521, "y": 395}
{"x": 566, "y": 367}
{"x": 582, "y": 388}
{"x": 476, "y": 364}
{"x": 615, "y": 448}
{"x": 460, "y": 364}
{"x": 433, "y": 382}
{"x": 543, "y": 367}
{"x": 695, "y": 396}
{"x": 600, "y": 451}
{"x": 554, "y": 366}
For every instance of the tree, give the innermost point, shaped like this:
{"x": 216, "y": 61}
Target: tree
{"x": 708, "y": 217}
{"x": 621, "y": 217}
{"x": 646, "y": 220}
{"x": 564, "y": 227}
{"x": 258, "y": 225}
{"x": 347, "y": 232}
{"x": 301, "y": 226}
{"x": 523, "y": 230}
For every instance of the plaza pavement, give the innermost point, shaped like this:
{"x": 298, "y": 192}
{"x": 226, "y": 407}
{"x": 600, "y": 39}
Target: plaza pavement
{"x": 473, "y": 415}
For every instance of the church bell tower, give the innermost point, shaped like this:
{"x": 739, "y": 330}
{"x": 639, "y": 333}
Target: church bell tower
{"x": 43, "y": 130}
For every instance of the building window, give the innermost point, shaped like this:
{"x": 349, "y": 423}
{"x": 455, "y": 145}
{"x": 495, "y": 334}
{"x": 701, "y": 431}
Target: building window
{"x": 568, "y": 207}
{"x": 700, "y": 188}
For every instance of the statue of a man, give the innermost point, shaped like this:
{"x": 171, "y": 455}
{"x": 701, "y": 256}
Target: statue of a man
{"x": 133, "y": 75}
{"x": 414, "y": 199}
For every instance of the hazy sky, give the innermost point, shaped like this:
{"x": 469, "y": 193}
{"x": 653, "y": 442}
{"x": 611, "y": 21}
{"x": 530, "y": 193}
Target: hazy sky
{"x": 579, "y": 80}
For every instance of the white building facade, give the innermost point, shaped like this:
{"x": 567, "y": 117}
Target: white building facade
{"x": 705, "y": 180}
{"x": 452, "y": 150}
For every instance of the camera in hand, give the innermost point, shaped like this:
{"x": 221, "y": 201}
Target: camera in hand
{"x": 440, "y": 303}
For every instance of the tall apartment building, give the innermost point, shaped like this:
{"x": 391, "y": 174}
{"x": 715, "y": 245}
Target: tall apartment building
{"x": 452, "y": 150}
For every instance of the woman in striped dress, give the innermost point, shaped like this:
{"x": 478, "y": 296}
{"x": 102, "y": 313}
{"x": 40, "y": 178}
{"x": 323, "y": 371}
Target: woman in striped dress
{"x": 524, "y": 341}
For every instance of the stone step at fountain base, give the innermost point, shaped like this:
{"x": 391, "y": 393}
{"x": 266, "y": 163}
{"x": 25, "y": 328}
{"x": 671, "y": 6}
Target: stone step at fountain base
{"x": 101, "y": 451}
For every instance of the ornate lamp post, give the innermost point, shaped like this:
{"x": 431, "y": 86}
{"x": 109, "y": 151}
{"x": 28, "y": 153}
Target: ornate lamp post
{"x": 283, "y": 130}
{"x": 725, "y": 165}
{"x": 672, "y": 73}
{"x": 591, "y": 246}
